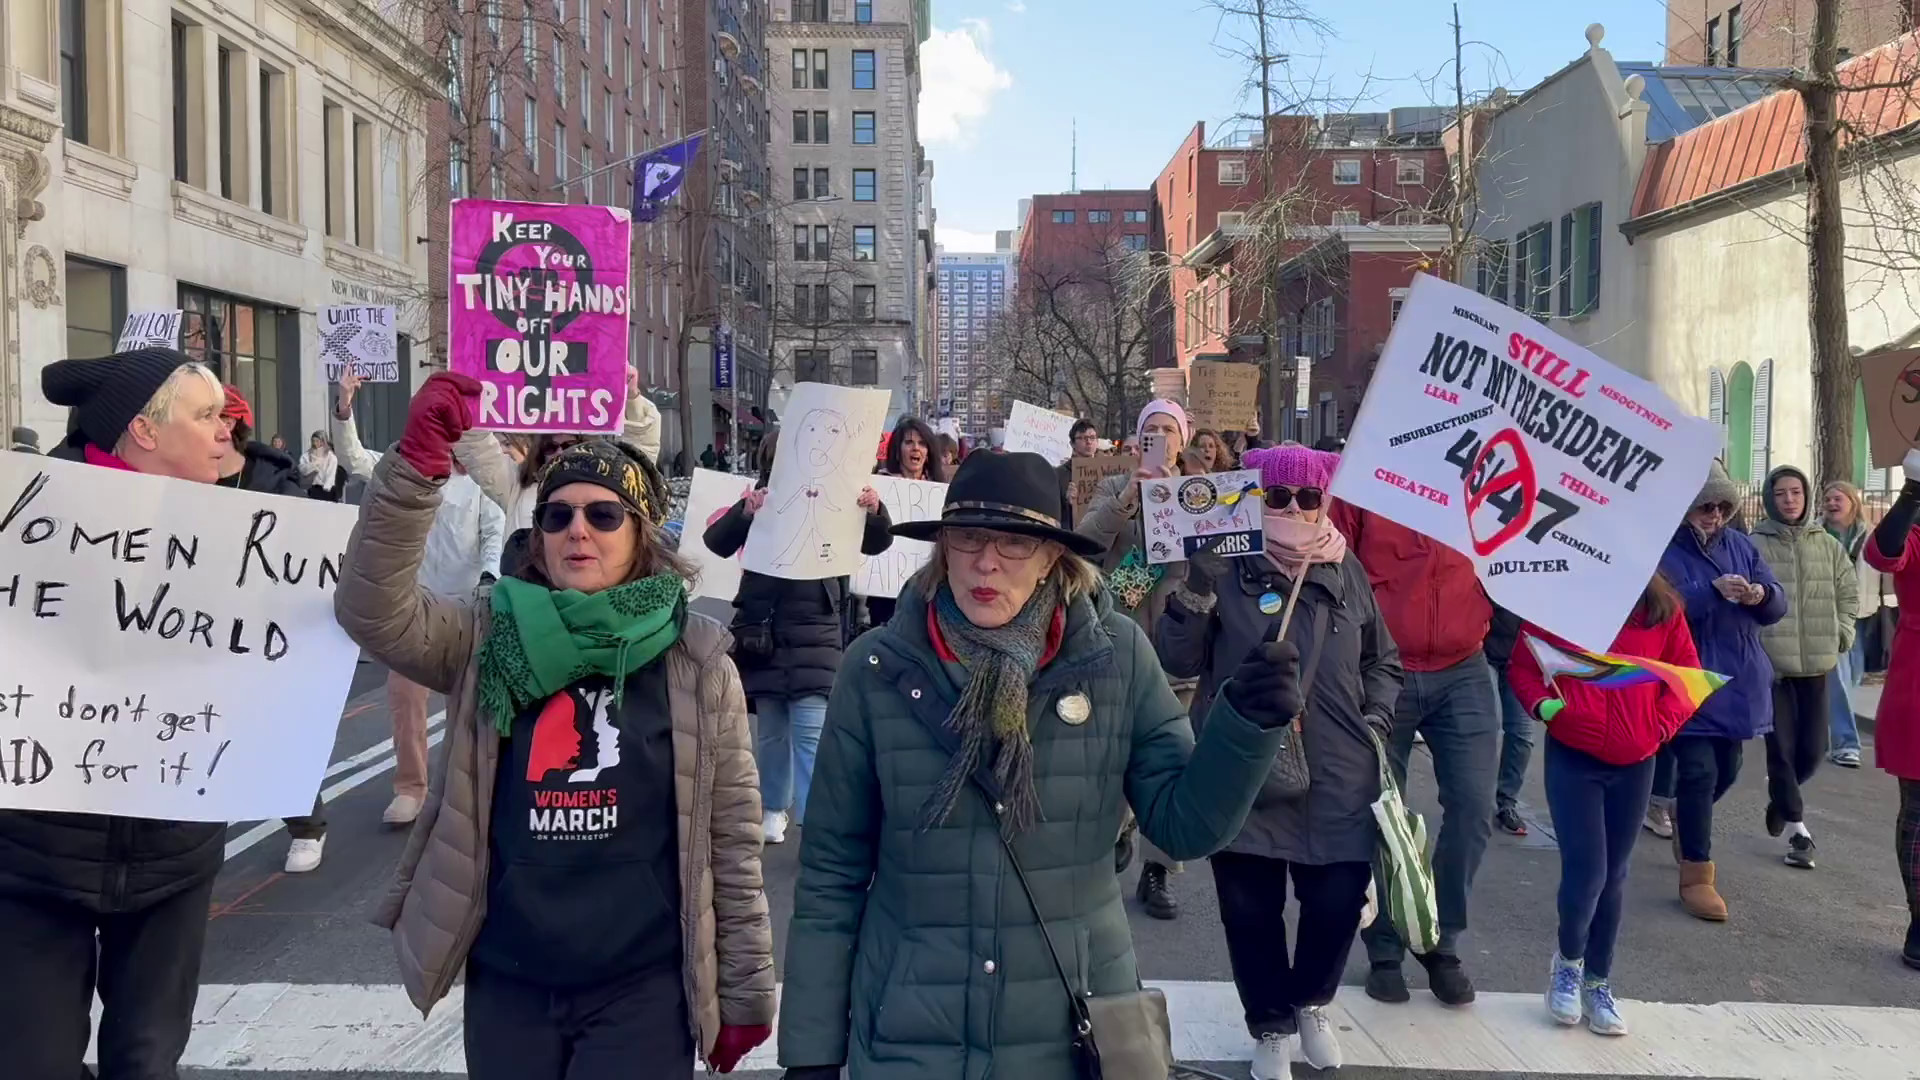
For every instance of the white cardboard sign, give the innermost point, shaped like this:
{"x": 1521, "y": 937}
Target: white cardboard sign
{"x": 1033, "y": 429}
{"x": 149, "y": 328}
{"x": 170, "y": 649}
{"x": 362, "y": 337}
{"x": 709, "y": 497}
{"x": 906, "y": 500}
{"x": 1182, "y": 512}
{"x": 810, "y": 526}
{"x": 1560, "y": 475}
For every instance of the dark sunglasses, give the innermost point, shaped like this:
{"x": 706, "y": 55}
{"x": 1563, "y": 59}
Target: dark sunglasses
{"x": 1309, "y": 498}
{"x": 605, "y": 516}
{"x": 1726, "y": 509}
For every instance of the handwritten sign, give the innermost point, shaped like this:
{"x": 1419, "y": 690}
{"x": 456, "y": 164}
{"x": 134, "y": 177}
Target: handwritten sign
{"x": 1558, "y": 474}
{"x": 1182, "y": 512}
{"x": 1891, "y": 383}
{"x": 145, "y": 329}
{"x": 1088, "y": 472}
{"x": 906, "y": 500}
{"x": 361, "y": 337}
{"x": 1035, "y": 430}
{"x": 170, "y": 647}
{"x": 538, "y": 310}
{"x": 709, "y": 498}
{"x": 1224, "y": 396}
{"x": 810, "y": 526}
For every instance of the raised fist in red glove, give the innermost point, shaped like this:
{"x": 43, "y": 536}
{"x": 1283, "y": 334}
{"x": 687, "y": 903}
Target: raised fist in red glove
{"x": 440, "y": 413}
{"x": 734, "y": 1043}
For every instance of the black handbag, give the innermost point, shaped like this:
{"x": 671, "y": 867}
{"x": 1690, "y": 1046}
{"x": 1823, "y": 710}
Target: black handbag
{"x": 1288, "y": 777}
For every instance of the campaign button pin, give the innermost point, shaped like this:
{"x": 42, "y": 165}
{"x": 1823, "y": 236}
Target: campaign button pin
{"x": 1075, "y": 708}
{"x": 1270, "y": 604}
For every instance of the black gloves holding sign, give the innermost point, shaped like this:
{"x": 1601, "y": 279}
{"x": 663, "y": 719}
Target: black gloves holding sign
{"x": 1266, "y": 687}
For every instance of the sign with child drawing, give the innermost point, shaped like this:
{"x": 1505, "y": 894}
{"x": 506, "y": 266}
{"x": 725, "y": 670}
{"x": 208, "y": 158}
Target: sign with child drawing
{"x": 811, "y": 524}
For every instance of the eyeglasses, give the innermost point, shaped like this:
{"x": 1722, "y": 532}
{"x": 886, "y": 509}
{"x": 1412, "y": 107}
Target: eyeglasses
{"x": 1009, "y": 545}
{"x": 1723, "y": 509}
{"x": 1308, "y": 498}
{"x": 604, "y": 516}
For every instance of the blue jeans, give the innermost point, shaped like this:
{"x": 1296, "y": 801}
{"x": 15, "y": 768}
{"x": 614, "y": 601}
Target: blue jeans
{"x": 1516, "y": 745}
{"x": 1458, "y": 713}
{"x": 788, "y": 737}
{"x": 1596, "y": 810}
{"x": 1840, "y": 685}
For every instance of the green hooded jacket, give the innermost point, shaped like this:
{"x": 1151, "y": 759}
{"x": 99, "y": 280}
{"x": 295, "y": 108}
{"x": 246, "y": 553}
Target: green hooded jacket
{"x": 1819, "y": 580}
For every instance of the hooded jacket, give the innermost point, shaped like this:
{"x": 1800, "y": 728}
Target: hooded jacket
{"x": 1821, "y": 586}
{"x": 267, "y": 470}
{"x": 1620, "y": 725}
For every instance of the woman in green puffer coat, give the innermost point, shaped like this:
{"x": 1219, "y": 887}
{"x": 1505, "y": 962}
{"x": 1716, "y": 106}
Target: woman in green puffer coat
{"x": 1006, "y": 698}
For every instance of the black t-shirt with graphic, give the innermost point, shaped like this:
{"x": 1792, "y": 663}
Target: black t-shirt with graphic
{"x": 583, "y": 884}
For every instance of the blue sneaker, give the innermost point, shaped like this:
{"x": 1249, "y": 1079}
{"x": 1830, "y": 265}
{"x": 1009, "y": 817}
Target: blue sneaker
{"x": 1603, "y": 1016}
{"x": 1563, "y": 990}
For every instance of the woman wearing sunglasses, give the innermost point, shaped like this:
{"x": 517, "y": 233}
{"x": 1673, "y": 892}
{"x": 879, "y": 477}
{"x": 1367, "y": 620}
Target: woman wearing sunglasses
{"x": 1350, "y": 679}
{"x": 1730, "y": 594}
{"x": 591, "y": 852}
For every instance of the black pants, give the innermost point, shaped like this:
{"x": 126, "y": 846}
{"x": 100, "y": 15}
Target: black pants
{"x": 1907, "y": 844}
{"x": 1705, "y": 768}
{"x": 636, "y": 1029}
{"x": 1253, "y": 899}
{"x": 145, "y": 965}
{"x": 1797, "y": 742}
{"x": 311, "y": 827}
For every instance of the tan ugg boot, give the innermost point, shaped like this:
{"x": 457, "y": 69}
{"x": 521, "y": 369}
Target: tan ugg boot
{"x": 1697, "y": 893}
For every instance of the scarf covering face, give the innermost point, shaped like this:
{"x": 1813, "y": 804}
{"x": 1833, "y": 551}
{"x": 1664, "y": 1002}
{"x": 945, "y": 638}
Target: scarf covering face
{"x": 999, "y": 663}
{"x": 1293, "y": 543}
{"x": 545, "y": 640}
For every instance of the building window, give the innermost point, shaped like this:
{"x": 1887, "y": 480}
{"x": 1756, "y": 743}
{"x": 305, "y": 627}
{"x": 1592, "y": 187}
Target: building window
{"x": 561, "y": 155}
{"x": 822, "y": 186}
{"x": 863, "y": 71}
{"x": 866, "y": 366}
{"x": 800, "y": 80}
{"x": 96, "y": 306}
{"x": 863, "y": 130}
{"x": 73, "y": 67}
{"x": 822, "y": 242}
{"x": 1733, "y": 36}
{"x": 586, "y": 98}
{"x": 1409, "y": 171}
{"x": 1346, "y": 217}
{"x": 456, "y": 173}
{"x": 1536, "y": 267}
{"x": 363, "y": 183}
{"x": 1713, "y": 42}
{"x": 863, "y": 11}
{"x": 800, "y": 175}
{"x": 496, "y": 112}
{"x": 1134, "y": 241}
{"x": 864, "y": 301}
{"x": 1233, "y": 171}
{"x": 1346, "y": 170}
{"x": 800, "y": 243}
{"x": 1490, "y": 271}
{"x": 182, "y": 157}
{"x": 811, "y": 365}
{"x": 530, "y": 130}
{"x": 863, "y": 185}
{"x": 559, "y": 69}
{"x": 864, "y": 249}
{"x": 1580, "y": 261}
{"x": 606, "y": 42}
{"x": 1063, "y": 217}
{"x": 821, "y": 131}
{"x": 1409, "y": 217}
{"x": 241, "y": 340}
{"x": 802, "y": 132}
{"x": 819, "y": 69}
{"x": 810, "y": 11}
{"x": 224, "y": 108}
{"x": 1395, "y": 298}
{"x": 274, "y": 186}
{"x": 1133, "y": 217}
{"x": 333, "y": 152}
{"x": 1099, "y": 217}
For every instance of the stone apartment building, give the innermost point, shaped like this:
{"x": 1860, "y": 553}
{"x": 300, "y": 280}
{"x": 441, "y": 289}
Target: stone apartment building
{"x": 1775, "y": 33}
{"x": 852, "y": 240}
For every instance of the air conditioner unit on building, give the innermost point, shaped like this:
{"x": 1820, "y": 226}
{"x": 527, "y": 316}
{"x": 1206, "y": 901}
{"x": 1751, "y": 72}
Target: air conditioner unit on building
{"x": 1232, "y": 219}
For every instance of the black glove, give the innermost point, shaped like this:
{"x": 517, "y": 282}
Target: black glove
{"x": 1204, "y": 568}
{"x": 1266, "y": 687}
{"x": 814, "y": 1072}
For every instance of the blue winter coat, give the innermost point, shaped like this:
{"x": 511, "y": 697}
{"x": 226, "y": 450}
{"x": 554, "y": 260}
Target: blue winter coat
{"x": 1727, "y": 634}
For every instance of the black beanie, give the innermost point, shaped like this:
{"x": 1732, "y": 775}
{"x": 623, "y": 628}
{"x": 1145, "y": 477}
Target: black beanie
{"x": 107, "y": 393}
{"x": 619, "y": 468}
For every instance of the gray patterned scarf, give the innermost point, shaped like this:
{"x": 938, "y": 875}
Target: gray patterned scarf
{"x": 999, "y": 663}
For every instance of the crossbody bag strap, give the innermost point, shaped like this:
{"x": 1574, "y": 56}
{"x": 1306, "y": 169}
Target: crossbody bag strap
{"x": 1312, "y": 665}
{"x": 1082, "y": 1019}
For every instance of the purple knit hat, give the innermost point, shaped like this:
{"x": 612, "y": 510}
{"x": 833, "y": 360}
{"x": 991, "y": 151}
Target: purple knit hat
{"x": 1292, "y": 466}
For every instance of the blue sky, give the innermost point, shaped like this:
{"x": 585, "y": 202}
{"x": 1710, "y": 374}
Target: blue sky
{"x": 1004, "y": 81}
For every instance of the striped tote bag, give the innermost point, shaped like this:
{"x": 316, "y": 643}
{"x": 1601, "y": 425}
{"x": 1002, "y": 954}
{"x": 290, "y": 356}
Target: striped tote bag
{"x": 1401, "y": 869}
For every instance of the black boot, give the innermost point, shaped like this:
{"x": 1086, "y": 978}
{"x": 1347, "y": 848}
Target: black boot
{"x": 1447, "y": 979}
{"x": 1153, "y": 892}
{"x": 1385, "y": 982}
{"x": 1911, "y": 954}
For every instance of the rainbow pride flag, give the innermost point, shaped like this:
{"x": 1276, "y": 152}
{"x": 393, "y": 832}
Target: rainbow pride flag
{"x": 1614, "y": 670}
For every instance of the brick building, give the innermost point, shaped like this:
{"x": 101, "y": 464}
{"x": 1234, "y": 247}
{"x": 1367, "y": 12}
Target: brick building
{"x": 1068, "y": 236}
{"x": 1774, "y": 33}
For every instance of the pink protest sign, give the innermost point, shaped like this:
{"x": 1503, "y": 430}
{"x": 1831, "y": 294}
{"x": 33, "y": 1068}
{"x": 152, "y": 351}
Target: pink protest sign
{"x": 537, "y": 308}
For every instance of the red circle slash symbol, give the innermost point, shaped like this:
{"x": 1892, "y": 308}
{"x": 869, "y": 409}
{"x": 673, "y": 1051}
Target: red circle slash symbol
{"x": 1516, "y": 509}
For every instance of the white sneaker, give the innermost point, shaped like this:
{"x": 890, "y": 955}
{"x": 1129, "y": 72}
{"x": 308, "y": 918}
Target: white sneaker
{"x": 304, "y": 855}
{"x": 1563, "y": 989}
{"x": 401, "y": 811}
{"x": 1271, "y": 1060}
{"x": 773, "y": 827}
{"x": 1317, "y": 1042}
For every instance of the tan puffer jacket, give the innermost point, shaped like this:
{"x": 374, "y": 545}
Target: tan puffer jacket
{"x": 439, "y": 897}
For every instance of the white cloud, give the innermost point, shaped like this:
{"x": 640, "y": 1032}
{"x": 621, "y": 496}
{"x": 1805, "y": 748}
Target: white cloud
{"x": 957, "y": 241}
{"x": 959, "y": 82}
{"x": 1018, "y": 7}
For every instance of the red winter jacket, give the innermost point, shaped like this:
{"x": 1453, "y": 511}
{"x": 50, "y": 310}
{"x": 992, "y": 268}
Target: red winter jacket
{"x": 1435, "y": 608}
{"x": 1620, "y": 726}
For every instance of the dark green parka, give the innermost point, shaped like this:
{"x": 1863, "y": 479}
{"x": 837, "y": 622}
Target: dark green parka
{"x": 914, "y": 954}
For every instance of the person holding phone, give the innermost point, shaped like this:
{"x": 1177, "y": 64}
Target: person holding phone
{"x": 1730, "y": 593}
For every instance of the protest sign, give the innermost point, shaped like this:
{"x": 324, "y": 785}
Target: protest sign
{"x": 1088, "y": 472}
{"x": 811, "y": 526}
{"x": 537, "y": 311}
{"x": 1183, "y": 512}
{"x": 1035, "y": 430}
{"x": 906, "y": 500}
{"x": 149, "y": 328}
{"x": 1558, "y": 474}
{"x": 170, "y": 647}
{"x": 360, "y": 337}
{"x": 1223, "y": 396}
{"x": 948, "y": 426}
{"x": 1890, "y": 381}
{"x": 709, "y": 498}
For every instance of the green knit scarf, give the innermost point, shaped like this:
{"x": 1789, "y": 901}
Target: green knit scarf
{"x": 544, "y": 640}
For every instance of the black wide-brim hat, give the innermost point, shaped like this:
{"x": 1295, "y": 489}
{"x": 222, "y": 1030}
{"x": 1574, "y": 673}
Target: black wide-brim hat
{"x": 1013, "y": 493}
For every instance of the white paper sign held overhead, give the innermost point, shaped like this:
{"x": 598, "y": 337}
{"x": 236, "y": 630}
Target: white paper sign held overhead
{"x": 811, "y": 524}
{"x": 1032, "y": 429}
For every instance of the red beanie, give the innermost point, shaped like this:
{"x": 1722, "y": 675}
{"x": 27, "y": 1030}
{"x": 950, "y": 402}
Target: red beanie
{"x": 237, "y": 407}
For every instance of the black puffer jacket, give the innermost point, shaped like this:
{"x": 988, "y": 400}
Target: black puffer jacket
{"x": 105, "y": 864}
{"x": 267, "y": 470}
{"x": 807, "y": 622}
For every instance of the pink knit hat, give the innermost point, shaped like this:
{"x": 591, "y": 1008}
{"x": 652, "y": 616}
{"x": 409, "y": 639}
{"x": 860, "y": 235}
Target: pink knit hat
{"x": 1172, "y": 409}
{"x": 1293, "y": 466}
